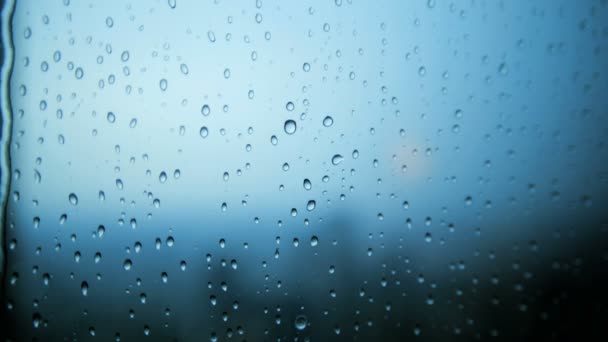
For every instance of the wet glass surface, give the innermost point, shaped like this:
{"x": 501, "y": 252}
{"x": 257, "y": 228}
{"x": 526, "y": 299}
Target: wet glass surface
{"x": 304, "y": 170}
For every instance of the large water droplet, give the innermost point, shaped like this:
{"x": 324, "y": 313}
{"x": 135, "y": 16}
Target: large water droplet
{"x": 290, "y": 127}
{"x": 311, "y": 205}
{"x": 337, "y": 159}
{"x": 307, "y": 184}
{"x": 301, "y": 322}
{"x": 73, "y": 199}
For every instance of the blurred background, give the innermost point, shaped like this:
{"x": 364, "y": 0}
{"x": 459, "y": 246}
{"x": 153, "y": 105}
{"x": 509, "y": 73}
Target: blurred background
{"x": 180, "y": 170}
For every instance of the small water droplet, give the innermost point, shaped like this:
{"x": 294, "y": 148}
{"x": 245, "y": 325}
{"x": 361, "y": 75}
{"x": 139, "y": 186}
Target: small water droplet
{"x": 422, "y": 71}
{"x": 205, "y": 110}
{"x": 328, "y": 121}
{"x": 289, "y": 106}
{"x": 79, "y": 73}
{"x": 73, "y": 199}
{"x": 163, "y": 84}
{"x": 503, "y": 69}
{"x": 184, "y": 69}
{"x": 204, "y": 132}
{"x": 314, "y": 241}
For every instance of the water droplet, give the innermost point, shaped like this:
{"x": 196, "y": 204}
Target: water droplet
{"x": 184, "y": 69}
{"x": 314, "y": 241}
{"x": 422, "y": 71}
{"x": 337, "y": 159}
{"x": 458, "y": 113}
{"x": 307, "y": 184}
{"x": 205, "y": 110}
{"x": 79, "y": 73}
{"x": 311, "y": 205}
{"x": 172, "y": 3}
{"x": 289, "y": 106}
{"x": 127, "y": 264}
{"x": 468, "y": 200}
{"x": 301, "y": 322}
{"x": 290, "y": 127}
{"x": 73, "y": 199}
{"x": 204, "y": 132}
{"x": 162, "y": 177}
{"x": 503, "y": 69}
{"x": 111, "y": 117}
{"x": 274, "y": 140}
{"x": 211, "y": 36}
{"x": 306, "y": 67}
{"x": 84, "y": 288}
{"x": 163, "y": 84}
{"x": 328, "y": 121}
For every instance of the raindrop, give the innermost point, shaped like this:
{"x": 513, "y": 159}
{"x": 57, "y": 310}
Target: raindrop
{"x": 124, "y": 56}
{"x": 205, "y": 110}
{"x": 73, "y": 199}
{"x": 337, "y": 159}
{"x": 163, "y": 84}
{"x": 307, "y": 184}
{"x": 422, "y": 71}
{"x": 301, "y": 322}
{"x": 311, "y": 205}
{"x": 79, "y": 73}
{"x": 111, "y": 117}
{"x": 162, "y": 177}
{"x": 184, "y": 69}
{"x": 290, "y": 127}
{"x": 204, "y": 132}
{"x": 328, "y": 121}
{"x": 503, "y": 69}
